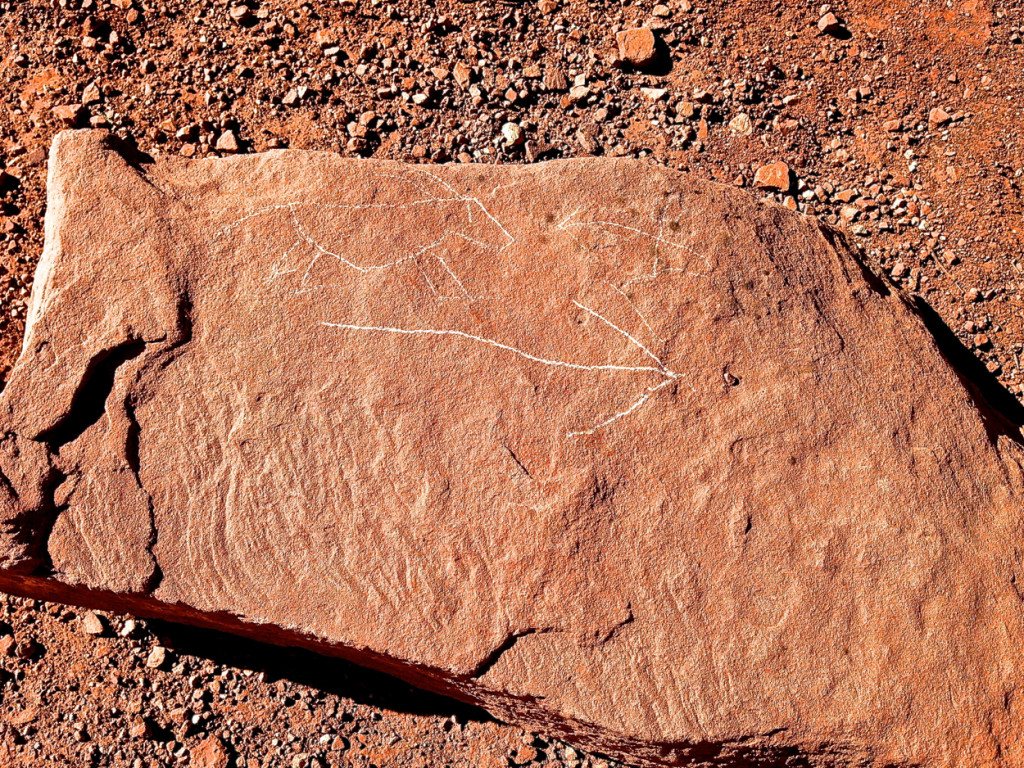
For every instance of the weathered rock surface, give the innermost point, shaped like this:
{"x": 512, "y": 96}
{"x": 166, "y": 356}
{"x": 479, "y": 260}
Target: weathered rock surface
{"x": 621, "y": 455}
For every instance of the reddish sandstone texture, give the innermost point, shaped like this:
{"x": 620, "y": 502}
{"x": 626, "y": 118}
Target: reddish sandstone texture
{"x": 622, "y": 456}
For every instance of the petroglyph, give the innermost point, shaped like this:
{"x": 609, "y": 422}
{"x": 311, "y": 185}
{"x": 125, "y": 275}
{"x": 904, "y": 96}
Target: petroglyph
{"x": 622, "y": 456}
{"x": 304, "y": 252}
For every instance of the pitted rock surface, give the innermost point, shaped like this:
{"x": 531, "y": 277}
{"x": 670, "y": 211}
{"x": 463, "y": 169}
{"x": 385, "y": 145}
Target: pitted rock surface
{"x": 621, "y": 455}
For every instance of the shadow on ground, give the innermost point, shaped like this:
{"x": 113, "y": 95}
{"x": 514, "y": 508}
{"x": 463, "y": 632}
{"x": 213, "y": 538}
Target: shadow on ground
{"x": 330, "y": 675}
{"x": 1004, "y": 414}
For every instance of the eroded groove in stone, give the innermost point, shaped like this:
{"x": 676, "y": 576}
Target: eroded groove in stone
{"x": 621, "y": 455}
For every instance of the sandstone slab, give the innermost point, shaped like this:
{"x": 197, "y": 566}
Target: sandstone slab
{"x": 620, "y": 455}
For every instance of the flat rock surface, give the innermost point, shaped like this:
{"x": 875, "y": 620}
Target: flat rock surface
{"x": 623, "y": 456}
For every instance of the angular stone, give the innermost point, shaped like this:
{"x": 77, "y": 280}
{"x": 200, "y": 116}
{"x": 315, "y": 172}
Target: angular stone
{"x": 831, "y": 25}
{"x": 240, "y": 14}
{"x": 938, "y": 117}
{"x": 637, "y": 46}
{"x": 741, "y": 124}
{"x": 774, "y": 176}
{"x": 555, "y": 79}
{"x": 69, "y": 114}
{"x": 91, "y": 94}
{"x": 619, "y": 454}
{"x": 156, "y": 658}
{"x": 462, "y": 73}
{"x": 93, "y": 624}
{"x": 210, "y": 753}
{"x": 228, "y": 142}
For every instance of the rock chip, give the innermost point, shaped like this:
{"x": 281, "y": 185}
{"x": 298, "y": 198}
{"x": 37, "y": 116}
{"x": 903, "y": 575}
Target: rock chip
{"x": 741, "y": 124}
{"x": 26, "y": 649}
{"x": 555, "y": 79}
{"x": 619, "y": 454}
{"x": 156, "y": 657}
{"x": 241, "y": 14}
{"x": 774, "y": 176}
{"x": 70, "y": 115}
{"x": 93, "y": 624}
{"x": 830, "y": 25}
{"x": 462, "y": 73}
{"x": 210, "y": 753}
{"x": 228, "y": 142}
{"x": 637, "y": 46}
{"x": 938, "y": 117}
{"x": 512, "y": 134}
{"x": 140, "y": 728}
{"x": 91, "y": 94}
{"x": 575, "y": 95}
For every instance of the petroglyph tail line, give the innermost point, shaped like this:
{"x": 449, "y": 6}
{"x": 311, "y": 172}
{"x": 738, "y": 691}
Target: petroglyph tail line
{"x": 497, "y": 344}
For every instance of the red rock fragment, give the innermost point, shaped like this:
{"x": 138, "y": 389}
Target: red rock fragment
{"x": 228, "y": 142}
{"x": 211, "y": 753}
{"x": 140, "y": 728}
{"x": 462, "y": 73}
{"x": 830, "y": 25}
{"x": 637, "y": 46}
{"x": 774, "y": 176}
{"x": 938, "y": 117}
{"x": 70, "y": 115}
